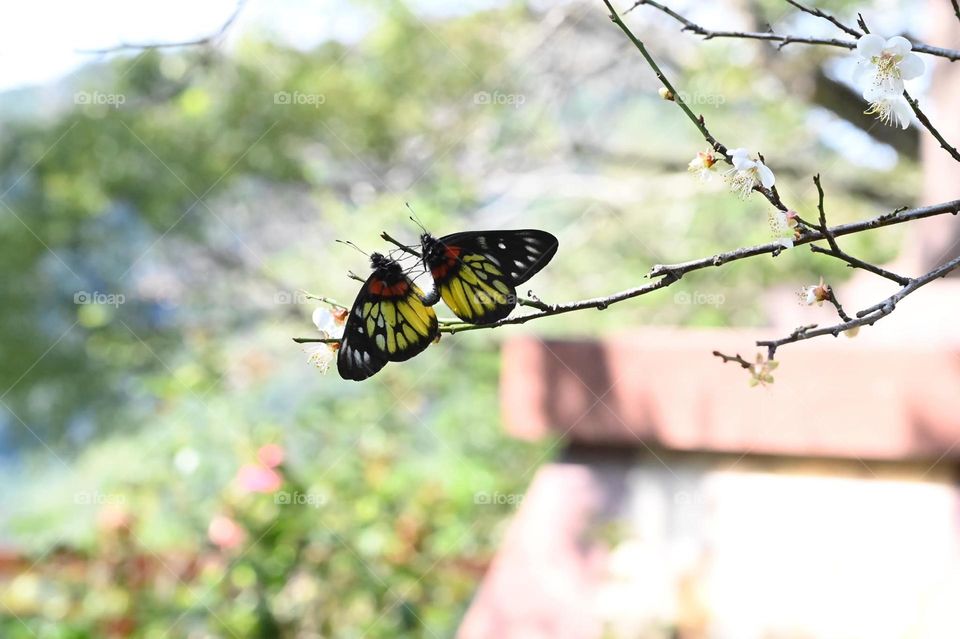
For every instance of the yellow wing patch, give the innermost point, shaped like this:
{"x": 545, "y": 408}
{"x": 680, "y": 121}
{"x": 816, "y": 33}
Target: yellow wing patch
{"x": 401, "y": 327}
{"x": 476, "y": 292}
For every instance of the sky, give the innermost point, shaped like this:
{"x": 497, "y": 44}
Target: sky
{"x": 43, "y": 40}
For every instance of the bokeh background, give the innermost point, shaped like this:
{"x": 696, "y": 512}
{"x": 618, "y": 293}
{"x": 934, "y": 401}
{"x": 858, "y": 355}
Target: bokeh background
{"x": 171, "y": 464}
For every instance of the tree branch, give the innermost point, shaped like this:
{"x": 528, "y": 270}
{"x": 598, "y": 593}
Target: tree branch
{"x": 866, "y": 317}
{"x": 835, "y": 251}
{"x": 670, "y": 273}
{"x": 771, "y": 194}
{"x": 925, "y": 121}
{"x": 820, "y": 14}
{"x": 708, "y": 34}
{"x": 733, "y": 358}
{"x": 124, "y": 46}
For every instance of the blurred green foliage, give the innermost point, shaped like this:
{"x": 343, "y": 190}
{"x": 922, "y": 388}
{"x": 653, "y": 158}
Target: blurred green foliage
{"x": 215, "y": 191}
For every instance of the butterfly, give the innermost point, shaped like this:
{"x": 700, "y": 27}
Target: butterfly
{"x": 477, "y": 272}
{"x": 388, "y": 322}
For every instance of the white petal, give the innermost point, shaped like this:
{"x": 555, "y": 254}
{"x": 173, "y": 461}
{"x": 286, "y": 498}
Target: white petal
{"x": 319, "y": 355}
{"x": 863, "y": 71}
{"x": 785, "y": 242}
{"x": 878, "y": 93}
{"x": 741, "y": 159}
{"x": 766, "y": 175}
{"x": 911, "y": 66}
{"x": 870, "y": 45}
{"x": 323, "y": 319}
{"x": 898, "y": 45}
{"x": 903, "y": 111}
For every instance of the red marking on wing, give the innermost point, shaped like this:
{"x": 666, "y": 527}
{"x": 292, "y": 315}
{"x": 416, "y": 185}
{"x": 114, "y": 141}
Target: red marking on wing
{"x": 452, "y": 253}
{"x": 439, "y": 272}
{"x": 379, "y": 287}
{"x": 398, "y": 290}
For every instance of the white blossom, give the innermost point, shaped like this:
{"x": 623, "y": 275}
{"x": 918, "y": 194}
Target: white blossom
{"x": 330, "y": 326}
{"x": 816, "y": 294}
{"x": 886, "y": 63}
{"x": 703, "y": 165}
{"x": 890, "y": 108}
{"x": 782, "y": 225}
{"x": 746, "y": 173}
{"x": 319, "y": 354}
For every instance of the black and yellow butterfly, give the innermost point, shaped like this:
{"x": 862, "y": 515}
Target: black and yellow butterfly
{"x": 477, "y": 272}
{"x": 388, "y": 322}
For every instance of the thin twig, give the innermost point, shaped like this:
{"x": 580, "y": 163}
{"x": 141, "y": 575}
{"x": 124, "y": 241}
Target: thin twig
{"x": 854, "y": 262}
{"x": 925, "y": 121}
{"x": 832, "y": 298}
{"x": 734, "y": 358}
{"x": 771, "y": 194}
{"x": 826, "y": 16}
{"x": 866, "y": 317}
{"x": 406, "y": 248}
{"x": 835, "y": 251}
{"x": 887, "y": 219}
{"x": 208, "y": 39}
{"x": 668, "y": 274}
{"x": 325, "y": 300}
{"x": 708, "y": 34}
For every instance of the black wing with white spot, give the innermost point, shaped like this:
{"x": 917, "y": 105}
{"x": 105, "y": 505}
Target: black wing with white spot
{"x": 476, "y": 272}
{"x": 388, "y": 323}
{"x": 518, "y": 254}
{"x": 358, "y": 357}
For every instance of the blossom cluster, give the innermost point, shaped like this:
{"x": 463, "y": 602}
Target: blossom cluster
{"x": 882, "y": 67}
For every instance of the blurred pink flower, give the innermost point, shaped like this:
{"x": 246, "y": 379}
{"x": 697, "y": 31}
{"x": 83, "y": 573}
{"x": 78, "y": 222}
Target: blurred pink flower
{"x": 256, "y": 478}
{"x": 225, "y": 532}
{"x": 270, "y": 455}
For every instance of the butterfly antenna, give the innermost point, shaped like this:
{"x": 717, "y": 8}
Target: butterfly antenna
{"x": 349, "y": 243}
{"x": 414, "y": 217}
{"x": 404, "y": 254}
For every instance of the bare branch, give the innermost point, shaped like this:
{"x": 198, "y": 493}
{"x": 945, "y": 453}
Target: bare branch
{"x": 866, "y": 317}
{"x": 400, "y": 245}
{"x": 832, "y": 298}
{"x": 820, "y": 14}
{"x": 771, "y": 194}
{"x": 734, "y": 358}
{"x": 205, "y": 40}
{"x": 668, "y": 274}
{"x": 835, "y": 251}
{"x": 925, "y": 121}
{"x": 708, "y": 34}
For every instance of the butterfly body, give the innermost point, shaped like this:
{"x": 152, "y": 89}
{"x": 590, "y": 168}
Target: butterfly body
{"x": 388, "y": 322}
{"x": 476, "y": 272}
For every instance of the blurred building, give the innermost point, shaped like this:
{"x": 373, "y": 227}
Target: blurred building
{"x": 687, "y": 504}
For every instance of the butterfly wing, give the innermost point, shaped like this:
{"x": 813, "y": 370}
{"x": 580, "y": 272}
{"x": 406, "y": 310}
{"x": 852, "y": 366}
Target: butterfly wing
{"x": 388, "y": 323}
{"x": 479, "y": 271}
